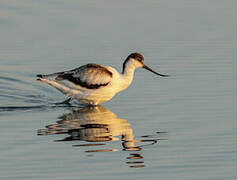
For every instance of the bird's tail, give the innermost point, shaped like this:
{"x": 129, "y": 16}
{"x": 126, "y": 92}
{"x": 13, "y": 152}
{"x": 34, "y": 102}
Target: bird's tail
{"x": 40, "y": 76}
{"x": 48, "y": 76}
{"x": 52, "y": 81}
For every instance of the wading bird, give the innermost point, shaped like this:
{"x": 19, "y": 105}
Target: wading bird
{"x": 94, "y": 84}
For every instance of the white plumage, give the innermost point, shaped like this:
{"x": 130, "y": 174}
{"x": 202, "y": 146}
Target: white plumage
{"x": 94, "y": 84}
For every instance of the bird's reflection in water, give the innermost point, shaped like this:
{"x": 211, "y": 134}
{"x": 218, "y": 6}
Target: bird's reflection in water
{"x": 98, "y": 125}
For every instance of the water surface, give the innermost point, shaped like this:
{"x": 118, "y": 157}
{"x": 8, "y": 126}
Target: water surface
{"x": 181, "y": 127}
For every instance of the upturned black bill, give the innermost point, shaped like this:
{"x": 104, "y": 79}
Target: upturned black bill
{"x": 149, "y": 69}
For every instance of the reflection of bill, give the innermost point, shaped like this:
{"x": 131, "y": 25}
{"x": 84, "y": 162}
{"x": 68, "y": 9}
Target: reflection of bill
{"x": 97, "y": 125}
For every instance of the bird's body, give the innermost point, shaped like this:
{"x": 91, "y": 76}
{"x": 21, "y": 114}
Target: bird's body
{"x": 94, "y": 84}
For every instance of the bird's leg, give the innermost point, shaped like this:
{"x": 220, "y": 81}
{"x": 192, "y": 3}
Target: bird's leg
{"x": 67, "y": 101}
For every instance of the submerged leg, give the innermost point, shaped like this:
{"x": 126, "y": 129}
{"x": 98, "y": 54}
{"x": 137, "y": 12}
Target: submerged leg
{"x": 67, "y": 101}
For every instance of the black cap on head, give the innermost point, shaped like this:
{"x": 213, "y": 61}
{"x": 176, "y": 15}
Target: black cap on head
{"x": 136, "y": 56}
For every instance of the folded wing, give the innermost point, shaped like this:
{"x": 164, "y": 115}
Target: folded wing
{"x": 90, "y": 76}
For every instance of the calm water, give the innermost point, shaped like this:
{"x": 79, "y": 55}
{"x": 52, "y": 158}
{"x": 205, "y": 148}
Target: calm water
{"x": 181, "y": 127}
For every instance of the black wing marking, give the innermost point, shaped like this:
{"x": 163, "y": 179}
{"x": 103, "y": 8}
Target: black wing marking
{"x": 91, "y": 76}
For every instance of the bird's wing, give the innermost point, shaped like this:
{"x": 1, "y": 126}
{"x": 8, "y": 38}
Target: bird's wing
{"x": 91, "y": 76}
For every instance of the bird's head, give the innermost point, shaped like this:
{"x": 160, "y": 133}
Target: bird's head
{"x": 137, "y": 60}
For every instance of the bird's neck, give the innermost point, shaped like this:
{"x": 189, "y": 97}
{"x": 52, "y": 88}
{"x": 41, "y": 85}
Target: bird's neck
{"x": 127, "y": 74}
{"x": 128, "y": 70}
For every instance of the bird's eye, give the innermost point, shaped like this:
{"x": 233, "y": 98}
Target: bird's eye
{"x": 139, "y": 59}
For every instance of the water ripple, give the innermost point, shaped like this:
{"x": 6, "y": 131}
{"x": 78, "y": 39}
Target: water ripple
{"x": 18, "y": 94}
{"x": 27, "y": 108}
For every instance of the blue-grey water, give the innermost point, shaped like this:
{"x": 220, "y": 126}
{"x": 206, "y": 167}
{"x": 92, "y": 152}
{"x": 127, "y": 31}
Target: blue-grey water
{"x": 180, "y": 127}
